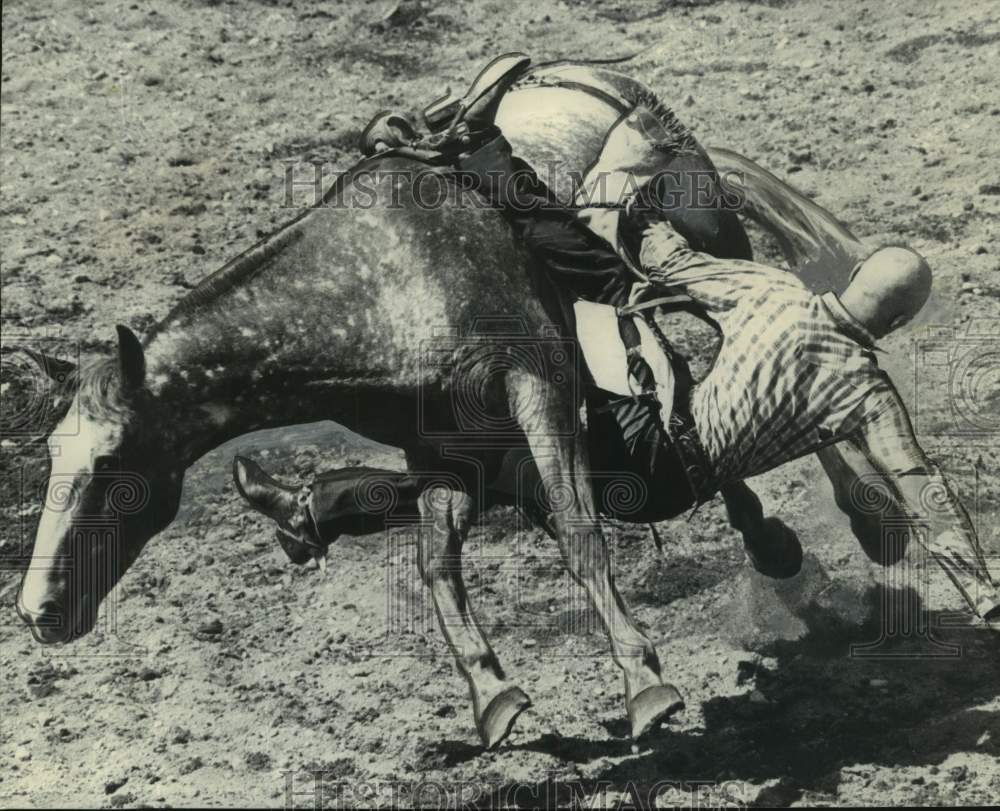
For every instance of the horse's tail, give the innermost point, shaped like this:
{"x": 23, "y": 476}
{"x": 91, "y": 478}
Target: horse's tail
{"x": 817, "y": 246}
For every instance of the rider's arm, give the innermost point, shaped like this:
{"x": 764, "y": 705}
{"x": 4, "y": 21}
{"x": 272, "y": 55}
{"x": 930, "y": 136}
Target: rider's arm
{"x": 886, "y": 438}
{"x": 718, "y": 285}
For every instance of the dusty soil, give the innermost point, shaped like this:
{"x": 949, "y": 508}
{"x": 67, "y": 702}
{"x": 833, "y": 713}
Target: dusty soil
{"x": 143, "y": 145}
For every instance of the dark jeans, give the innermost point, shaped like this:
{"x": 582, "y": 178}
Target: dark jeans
{"x": 574, "y": 258}
{"x": 631, "y": 453}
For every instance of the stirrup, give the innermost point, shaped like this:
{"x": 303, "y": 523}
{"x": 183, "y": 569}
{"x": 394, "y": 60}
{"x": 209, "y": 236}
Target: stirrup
{"x": 388, "y": 128}
{"x": 478, "y": 107}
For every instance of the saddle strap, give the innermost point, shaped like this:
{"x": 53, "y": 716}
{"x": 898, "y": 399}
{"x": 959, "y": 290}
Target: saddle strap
{"x": 641, "y": 380}
{"x": 616, "y": 102}
{"x": 662, "y": 301}
{"x": 650, "y": 376}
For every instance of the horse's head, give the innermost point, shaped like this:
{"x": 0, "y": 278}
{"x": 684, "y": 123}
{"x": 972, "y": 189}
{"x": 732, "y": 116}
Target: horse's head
{"x": 114, "y": 483}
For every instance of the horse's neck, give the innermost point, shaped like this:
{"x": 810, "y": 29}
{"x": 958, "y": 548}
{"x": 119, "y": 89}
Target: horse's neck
{"x": 222, "y": 368}
{"x": 205, "y": 399}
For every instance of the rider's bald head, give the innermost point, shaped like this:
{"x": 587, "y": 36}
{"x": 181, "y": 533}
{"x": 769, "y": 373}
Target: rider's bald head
{"x": 888, "y": 289}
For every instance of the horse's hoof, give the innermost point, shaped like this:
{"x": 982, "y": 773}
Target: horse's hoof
{"x": 884, "y": 548}
{"x": 500, "y": 715}
{"x": 652, "y": 706}
{"x": 774, "y": 550}
{"x": 989, "y": 610}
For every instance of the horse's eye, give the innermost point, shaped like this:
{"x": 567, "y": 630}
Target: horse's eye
{"x": 102, "y": 464}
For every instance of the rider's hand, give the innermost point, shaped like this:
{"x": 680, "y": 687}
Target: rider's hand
{"x": 639, "y": 214}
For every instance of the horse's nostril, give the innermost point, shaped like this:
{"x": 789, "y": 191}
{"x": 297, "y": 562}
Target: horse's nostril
{"x": 48, "y": 615}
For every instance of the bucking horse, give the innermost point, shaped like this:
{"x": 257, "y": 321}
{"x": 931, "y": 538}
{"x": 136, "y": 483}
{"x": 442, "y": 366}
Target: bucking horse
{"x": 418, "y": 326}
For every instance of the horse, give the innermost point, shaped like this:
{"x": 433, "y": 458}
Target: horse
{"x": 418, "y": 326}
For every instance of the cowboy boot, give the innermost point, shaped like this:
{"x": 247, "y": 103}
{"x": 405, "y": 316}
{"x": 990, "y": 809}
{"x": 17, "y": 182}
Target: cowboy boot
{"x": 287, "y": 506}
{"x": 491, "y": 170}
{"x": 478, "y": 107}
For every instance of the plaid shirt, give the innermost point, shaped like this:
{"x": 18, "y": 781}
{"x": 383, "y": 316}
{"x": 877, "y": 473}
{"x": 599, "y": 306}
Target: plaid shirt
{"x": 795, "y": 371}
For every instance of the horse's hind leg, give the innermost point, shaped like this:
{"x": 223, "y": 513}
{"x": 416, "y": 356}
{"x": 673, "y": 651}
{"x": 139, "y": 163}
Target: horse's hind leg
{"x": 772, "y": 547}
{"x": 447, "y": 515}
{"x": 546, "y": 413}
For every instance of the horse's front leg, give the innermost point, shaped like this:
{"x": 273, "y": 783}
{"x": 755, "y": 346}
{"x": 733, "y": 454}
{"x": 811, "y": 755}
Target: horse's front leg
{"x": 447, "y": 514}
{"x": 772, "y": 546}
{"x": 547, "y": 414}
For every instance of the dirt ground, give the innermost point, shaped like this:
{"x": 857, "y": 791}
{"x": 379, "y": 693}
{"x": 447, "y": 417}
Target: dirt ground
{"x": 144, "y": 144}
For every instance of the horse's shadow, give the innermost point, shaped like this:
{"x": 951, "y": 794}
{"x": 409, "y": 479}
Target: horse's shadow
{"x": 897, "y": 701}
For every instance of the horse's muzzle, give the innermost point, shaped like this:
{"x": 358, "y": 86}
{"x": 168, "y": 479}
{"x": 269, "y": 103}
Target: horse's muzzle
{"x": 52, "y": 622}
{"x": 48, "y": 623}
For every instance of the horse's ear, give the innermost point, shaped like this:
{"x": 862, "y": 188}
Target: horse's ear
{"x": 131, "y": 359}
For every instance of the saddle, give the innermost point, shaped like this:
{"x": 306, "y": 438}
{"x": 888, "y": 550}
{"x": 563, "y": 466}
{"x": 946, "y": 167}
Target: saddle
{"x": 483, "y": 97}
{"x": 452, "y": 122}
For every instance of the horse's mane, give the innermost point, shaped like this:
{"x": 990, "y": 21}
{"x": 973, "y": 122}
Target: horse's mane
{"x": 98, "y": 386}
{"x": 234, "y": 272}
{"x": 682, "y": 139}
{"x": 628, "y": 93}
{"x": 621, "y": 91}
